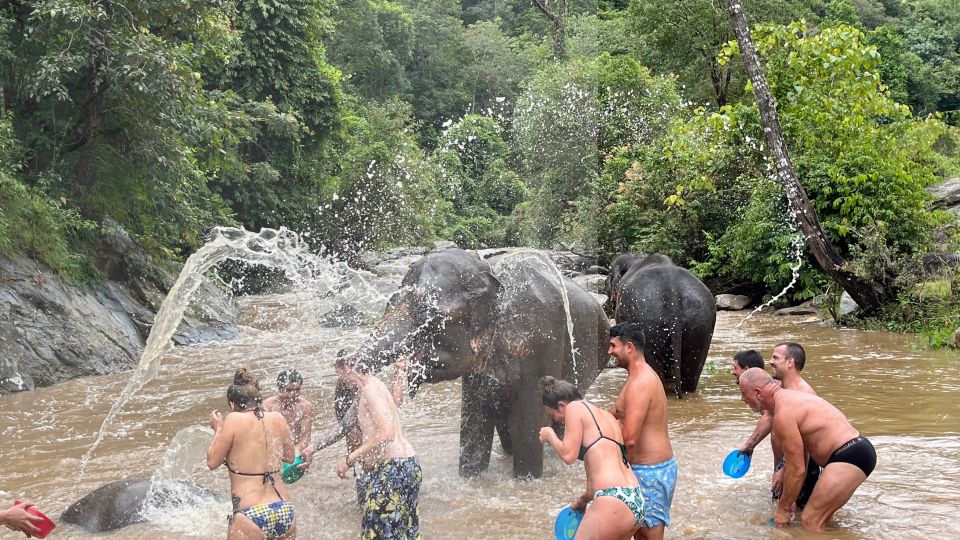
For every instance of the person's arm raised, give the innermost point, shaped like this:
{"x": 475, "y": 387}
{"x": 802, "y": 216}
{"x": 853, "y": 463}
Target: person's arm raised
{"x": 221, "y": 443}
{"x": 568, "y": 449}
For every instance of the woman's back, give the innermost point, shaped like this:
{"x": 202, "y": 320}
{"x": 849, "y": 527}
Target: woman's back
{"x": 604, "y": 458}
{"x": 254, "y": 459}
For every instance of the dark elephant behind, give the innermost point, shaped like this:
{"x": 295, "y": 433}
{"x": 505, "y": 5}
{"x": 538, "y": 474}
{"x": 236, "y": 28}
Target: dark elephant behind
{"x": 500, "y": 327}
{"x": 676, "y": 311}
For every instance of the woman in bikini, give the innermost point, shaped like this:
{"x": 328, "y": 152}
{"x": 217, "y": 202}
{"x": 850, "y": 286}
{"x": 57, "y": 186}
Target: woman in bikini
{"x": 252, "y": 443}
{"x": 593, "y": 435}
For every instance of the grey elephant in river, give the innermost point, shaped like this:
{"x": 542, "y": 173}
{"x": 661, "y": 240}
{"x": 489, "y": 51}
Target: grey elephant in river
{"x": 119, "y": 504}
{"x": 675, "y": 309}
{"x": 500, "y": 329}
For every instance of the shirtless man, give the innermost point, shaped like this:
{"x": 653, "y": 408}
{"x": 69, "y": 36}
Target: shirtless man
{"x": 641, "y": 408}
{"x": 806, "y": 423}
{"x": 390, "y": 507}
{"x": 787, "y": 361}
{"x": 348, "y": 426}
{"x": 298, "y": 412}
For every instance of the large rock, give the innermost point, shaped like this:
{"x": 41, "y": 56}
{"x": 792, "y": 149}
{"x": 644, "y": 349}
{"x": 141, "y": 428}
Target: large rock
{"x": 732, "y": 302}
{"x": 848, "y": 305}
{"x": 52, "y": 330}
{"x": 946, "y": 194}
{"x": 593, "y": 283}
{"x": 797, "y": 310}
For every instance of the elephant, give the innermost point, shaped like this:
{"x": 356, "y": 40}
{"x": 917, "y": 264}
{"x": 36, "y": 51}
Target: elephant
{"x": 676, "y": 311}
{"x": 119, "y": 504}
{"x": 499, "y": 325}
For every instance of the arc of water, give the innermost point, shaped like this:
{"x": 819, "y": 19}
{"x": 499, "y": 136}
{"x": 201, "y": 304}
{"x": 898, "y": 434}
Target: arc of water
{"x": 797, "y": 244}
{"x": 279, "y": 248}
{"x": 513, "y": 259}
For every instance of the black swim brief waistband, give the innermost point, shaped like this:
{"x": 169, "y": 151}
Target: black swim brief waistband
{"x": 857, "y": 451}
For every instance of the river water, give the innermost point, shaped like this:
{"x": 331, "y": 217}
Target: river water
{"x": 903, "y": 398}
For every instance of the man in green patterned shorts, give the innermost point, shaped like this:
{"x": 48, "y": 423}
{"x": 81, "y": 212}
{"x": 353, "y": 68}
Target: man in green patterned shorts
{"x": 393, "y": 483}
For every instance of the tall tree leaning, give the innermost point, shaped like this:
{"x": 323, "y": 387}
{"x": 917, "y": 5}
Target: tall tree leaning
{"x": 558, "y": 18}
{"x": 870, "y": 295}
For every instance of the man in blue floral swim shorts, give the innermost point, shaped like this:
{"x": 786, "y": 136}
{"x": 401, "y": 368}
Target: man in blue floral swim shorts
{"x": 642, "y": 409}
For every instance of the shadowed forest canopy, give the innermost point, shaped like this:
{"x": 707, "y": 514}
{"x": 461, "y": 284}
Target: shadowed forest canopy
{"x": 607, "y": 126}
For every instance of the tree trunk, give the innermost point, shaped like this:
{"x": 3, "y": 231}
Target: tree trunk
{"x": 869, "y": 295}
{"x": 559, "y": 31}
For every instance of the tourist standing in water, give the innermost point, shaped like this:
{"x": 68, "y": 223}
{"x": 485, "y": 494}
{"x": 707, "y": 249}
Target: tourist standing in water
{"x": 743, "y": 361}
{"x": 618, "y": 505}
{"x": 641, "y": 408}
{"x": 297, "y": 411}
{"x": 252, "y": 443}
{"x": 394, "y": 477}
{"x": 346, "y": 409}
{"x": 805, "y": 423}
{"x": 787, "y": 361}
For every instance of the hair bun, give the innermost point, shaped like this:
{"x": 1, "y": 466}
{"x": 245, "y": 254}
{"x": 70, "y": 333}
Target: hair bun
{"x": 243, "y": 376}
{"x": 547, "y": 382}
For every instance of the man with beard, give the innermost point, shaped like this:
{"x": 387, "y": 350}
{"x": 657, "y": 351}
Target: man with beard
{"x": 787, "y": 361}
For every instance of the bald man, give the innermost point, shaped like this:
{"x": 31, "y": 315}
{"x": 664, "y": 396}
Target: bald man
{"x": 803, "y": 422}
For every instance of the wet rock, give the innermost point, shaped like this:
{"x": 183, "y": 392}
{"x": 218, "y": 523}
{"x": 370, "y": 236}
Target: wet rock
{"x": 935, "y": 263}
{"x": 956, "y": 339}
{"x": 595, "y": 269}
{"x": 797, "y": 310}
{"x": 847, "y": 305}
{"x": 444, "y": 244}
{"x": 732, "y": 302}
{"x": 593, "y": 283}
{"x": 946, "y": 194}
{"x": 52, "y": 330}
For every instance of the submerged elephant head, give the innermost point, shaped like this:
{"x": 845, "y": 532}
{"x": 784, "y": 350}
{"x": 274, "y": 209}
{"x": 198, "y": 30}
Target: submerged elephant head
{"x": 441, "y": 318}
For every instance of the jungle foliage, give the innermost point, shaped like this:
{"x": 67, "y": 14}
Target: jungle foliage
{"x": 370, "y": 123}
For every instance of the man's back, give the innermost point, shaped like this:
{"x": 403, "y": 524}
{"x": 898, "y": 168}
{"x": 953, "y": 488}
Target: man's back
{"x": 642, "y": 407}
{"x": 822, "y": 427}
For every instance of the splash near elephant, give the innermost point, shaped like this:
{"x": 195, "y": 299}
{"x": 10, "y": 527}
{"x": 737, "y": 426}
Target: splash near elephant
{"x": 676, "y": 311}
{"x": 500, "y": 325}
{"x": 124, "y": 502}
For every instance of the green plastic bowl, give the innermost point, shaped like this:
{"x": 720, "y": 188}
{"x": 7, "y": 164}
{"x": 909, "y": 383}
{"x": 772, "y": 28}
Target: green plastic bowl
{"x": 291, "y": 472}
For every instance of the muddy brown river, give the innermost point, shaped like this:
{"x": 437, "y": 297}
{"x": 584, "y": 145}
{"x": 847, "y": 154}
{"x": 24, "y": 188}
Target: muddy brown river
{"x": 902, "y": 397}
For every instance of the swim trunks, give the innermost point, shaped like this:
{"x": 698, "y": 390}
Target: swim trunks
{"x": 809, "y": 482}
{"x": 630, "y": 496}
{"x": 857, "y": 451}
{"x": 390, "y": 503}
{"x": 657, "y": 483}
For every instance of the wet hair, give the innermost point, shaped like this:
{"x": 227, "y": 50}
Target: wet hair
{"x": 748, "y": 359}
{"x": 754, "y": 378}
{"x": 628, "y": 331}
{"x": 795, "y": 351}
{"x": 353, "y": 363}
{"x": 556, "y": 390}
{"x": 245, "y": 390}
{"x": 289, "y": 377}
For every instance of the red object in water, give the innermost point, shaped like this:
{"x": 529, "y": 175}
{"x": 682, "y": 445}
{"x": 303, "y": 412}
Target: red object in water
{"x": 45, "y": 526}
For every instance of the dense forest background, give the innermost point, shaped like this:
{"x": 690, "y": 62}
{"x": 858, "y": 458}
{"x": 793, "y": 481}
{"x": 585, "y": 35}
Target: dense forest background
{"x": 612, "y": 126}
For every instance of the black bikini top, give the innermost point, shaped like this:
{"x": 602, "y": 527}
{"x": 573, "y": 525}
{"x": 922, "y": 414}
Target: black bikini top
{"x": 584, "y": 449}
{"x": 267, "y": 476}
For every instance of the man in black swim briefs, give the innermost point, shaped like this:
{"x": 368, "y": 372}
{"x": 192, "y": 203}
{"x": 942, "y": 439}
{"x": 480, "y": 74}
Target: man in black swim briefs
{"x": 805, "y": 423}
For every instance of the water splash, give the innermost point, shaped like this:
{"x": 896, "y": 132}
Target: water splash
{"x": 509, "y": 267}
{"x": 276, "y": 248}
{"x": 796, "y": 244}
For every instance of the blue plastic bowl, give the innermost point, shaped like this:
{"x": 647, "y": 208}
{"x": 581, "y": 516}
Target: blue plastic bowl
{"x": 737, "y": 464}
{"x": 565, "y": 527}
